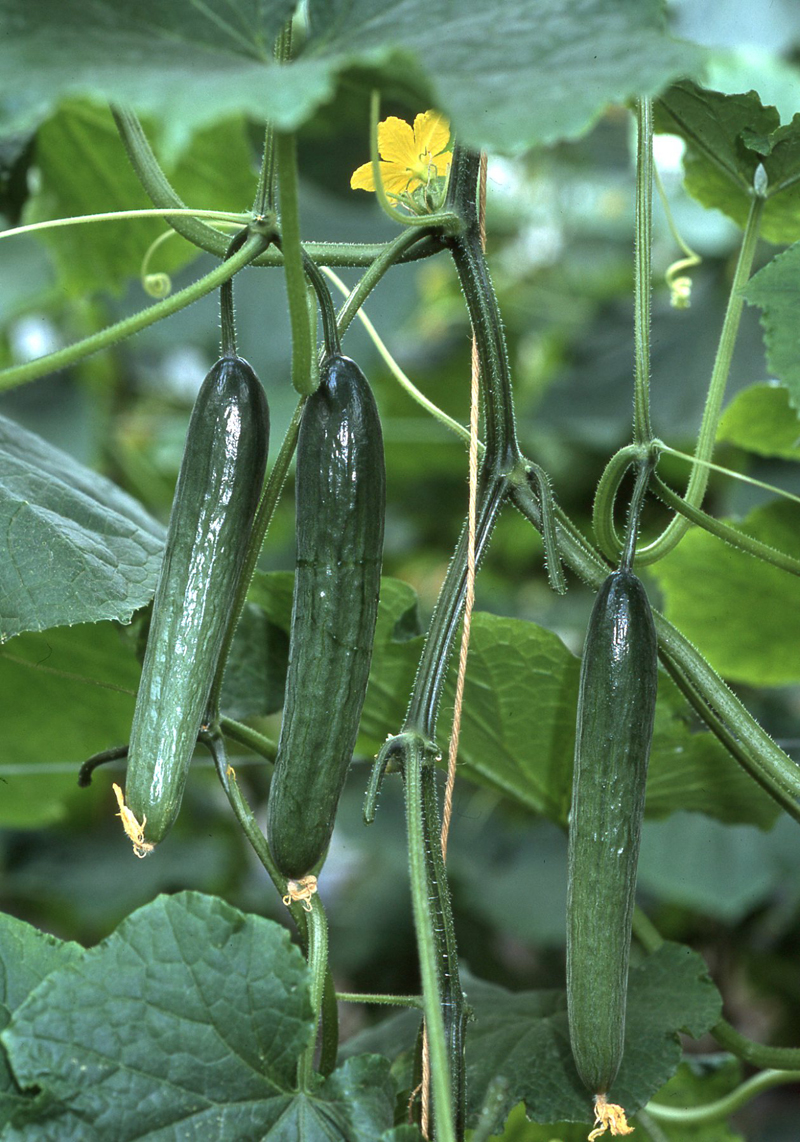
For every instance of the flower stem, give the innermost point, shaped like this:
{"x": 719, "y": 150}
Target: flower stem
{"x": 447, "y": 220}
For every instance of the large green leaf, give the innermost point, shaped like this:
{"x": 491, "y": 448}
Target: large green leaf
{"x": 510, "y": 72}
{"x": 73, "y": 547}
{"x": 742, "y": 613}
{"x": 518, "y": 721}
{"x": 727, "y": 137}
{"x": 523, "y": 1036}
{"x": 721, "y": 871}
{"x": 26, "y": 957}
{"x": 67, "y": 694}
{"x": 776, "y": 291}
{"x": 187, "y": 1023}
{"x": 762, "y": 420}
{"x": 148, "y": 53}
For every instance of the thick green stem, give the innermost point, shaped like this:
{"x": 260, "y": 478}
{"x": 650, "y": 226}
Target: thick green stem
{"x": 330, "y": 326}
{"x": 704, "y": 449}
{"x": 105, "y": 338}
{"x": 452, "y": 997}
{"x": 757, "y": 1054}
{"x": 642, "y": 430}
{"x": 425, "y": 915}
{"x": 426, "y": 695}
{"x": 500, "y": 432}
{"x": 318, "y": 968}
{"x": 302, "y": 347}
{"x": 723, "y": 1107}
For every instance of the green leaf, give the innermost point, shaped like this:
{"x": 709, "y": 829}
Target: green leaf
{"x": 186, "y": 1023}
{"x": 84, "y": 169}
{"x": 149, "y": 54}
{"x": 255, "y": 676}
{"x": 524, "y": 1036}
{"x": 776, "y": 291}
{"x": 519, "y": 1128}
{"x": 691, "y": 770}
{"x": 484, "y": 61}
{"x": 721, "y": 871}
{"x": 743, "y": 614}
{"x": 762, "y": 420}
{"x": 26, "y": 957}
{"x": 481, "y": 62}
{"x": 16, "y": 152}
{"x": 518, "y": 721}
{"x": 66, "y": 695}
{"x": 73, "y": 547}
{"x": 727, "y": 137}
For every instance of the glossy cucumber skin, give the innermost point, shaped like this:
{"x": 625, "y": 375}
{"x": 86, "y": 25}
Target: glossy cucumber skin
{"x": 616, "y": 708}
{"x": 340, "y": 500}
{"x": 216, "y": 497}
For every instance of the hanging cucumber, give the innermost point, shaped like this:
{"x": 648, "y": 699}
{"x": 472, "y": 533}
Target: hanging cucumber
{"x": 340, "y": 495}
{"x": 616, "y": 709}
{"x": 216, "y": 497}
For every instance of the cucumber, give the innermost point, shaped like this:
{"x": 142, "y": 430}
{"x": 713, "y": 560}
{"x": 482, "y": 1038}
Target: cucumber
{"x": 218, "y": 489}
{"x": 340, "y": 499}
{"x": 616, "y": 708}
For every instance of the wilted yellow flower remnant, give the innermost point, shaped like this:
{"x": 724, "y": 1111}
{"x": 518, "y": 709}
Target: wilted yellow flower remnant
{"x": 410, "y": 157}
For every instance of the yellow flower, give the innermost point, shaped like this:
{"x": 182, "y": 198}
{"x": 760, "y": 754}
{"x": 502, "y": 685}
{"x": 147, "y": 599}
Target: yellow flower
{"x": 410, "y": 157}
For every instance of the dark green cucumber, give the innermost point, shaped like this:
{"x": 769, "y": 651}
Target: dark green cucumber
{"x": 340, "y": 495}
{"x": 218, "y": 489}
{"x": 616, "y": 708}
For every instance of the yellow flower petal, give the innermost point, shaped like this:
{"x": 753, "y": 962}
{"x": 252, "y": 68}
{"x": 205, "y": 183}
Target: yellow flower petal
{"x": 362, "y": 179}
{"x": 431, "y": 133}
{"x": 394, "y": 178}
{"x": 396, "y": 142}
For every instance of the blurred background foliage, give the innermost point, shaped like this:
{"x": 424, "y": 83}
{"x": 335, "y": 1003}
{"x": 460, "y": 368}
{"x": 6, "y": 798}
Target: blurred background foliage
{"x": 560, "y": 223}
